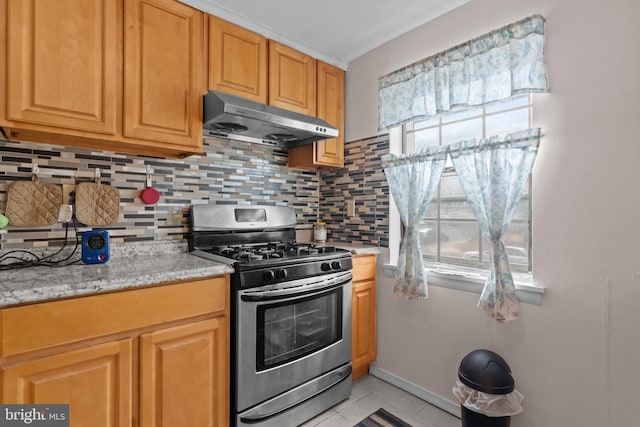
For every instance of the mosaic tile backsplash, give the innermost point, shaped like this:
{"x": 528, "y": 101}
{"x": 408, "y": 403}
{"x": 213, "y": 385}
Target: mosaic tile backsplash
{"x": 228, "y": 172}
{"x": 361, "y": 182}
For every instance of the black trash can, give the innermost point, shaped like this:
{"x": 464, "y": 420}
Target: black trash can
{"x": 485, "y": 371}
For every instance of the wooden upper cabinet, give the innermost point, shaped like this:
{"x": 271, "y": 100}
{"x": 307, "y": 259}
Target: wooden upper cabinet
{"x": 163, "y": 51}
{"x": 292, "y": 79}
{"x": 237, "y": 60}
{"x": 330, "y": 105}
{"x": 330, "y": 108}
{"x": 120, "y": 75}
{"x": 61, "y": 64}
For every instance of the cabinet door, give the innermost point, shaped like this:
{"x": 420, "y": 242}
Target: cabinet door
{"x": 94, "y": 381}
{"x": 185, "y": 375}
{"x": 237, "y": 60}
{"x": 292, "y": 79}
{"x": 330, "y": 104}
{"x": 61, "y": 64}
{"x": 330, "y": 108}
{"x": 163, "y": 72}
{"x": 363, "y": 326}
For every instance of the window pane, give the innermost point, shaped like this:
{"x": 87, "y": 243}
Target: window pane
{"x": 426, "y": 123}
{"x": 456, "y": 209}
{"x": 450, "y": 186}
{"x": 522, "y": 210}
{"x": 453, "y": 203}
{"x": 516, "y": 242}
{"x": 450, "y": 232}
{"x": 432, "y": 209}
{"x": 464, "y": 114}
{"x": 425, "y": 138}
{"x": 457, "y": 239}
{"x": 429, "y": 240}
{"x": 516, "y": 101}
{"x": 462, "y": 130}
{"x": 504, "y": 123}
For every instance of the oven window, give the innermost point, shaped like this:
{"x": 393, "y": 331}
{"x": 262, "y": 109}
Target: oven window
{"x": 290, "y": 330}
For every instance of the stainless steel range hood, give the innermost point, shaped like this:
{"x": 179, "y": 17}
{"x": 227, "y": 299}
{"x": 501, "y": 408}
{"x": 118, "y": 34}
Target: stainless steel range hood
{"x": 232, "y": 117}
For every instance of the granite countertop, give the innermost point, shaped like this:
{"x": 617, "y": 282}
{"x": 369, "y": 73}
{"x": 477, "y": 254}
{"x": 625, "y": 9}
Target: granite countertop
{"x": 356, "y": 249}
{"x": 130, "y": 266}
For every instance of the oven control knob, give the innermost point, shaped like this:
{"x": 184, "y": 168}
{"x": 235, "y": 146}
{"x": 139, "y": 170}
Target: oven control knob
{"x": 336, "y": 265}
{"x": 282, "y": 274}
{"x": 325, "y": 266}
{"x": 268, "y": 276}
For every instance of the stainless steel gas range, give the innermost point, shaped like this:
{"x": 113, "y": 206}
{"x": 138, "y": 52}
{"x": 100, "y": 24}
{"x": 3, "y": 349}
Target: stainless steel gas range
{"x": 291, "y": 313}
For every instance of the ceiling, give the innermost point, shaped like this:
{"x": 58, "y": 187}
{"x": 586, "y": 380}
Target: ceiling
{"x": 335, "y": 31}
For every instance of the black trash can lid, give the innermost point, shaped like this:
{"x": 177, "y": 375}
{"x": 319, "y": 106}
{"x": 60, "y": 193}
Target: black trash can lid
{"x": 487, "y": 372}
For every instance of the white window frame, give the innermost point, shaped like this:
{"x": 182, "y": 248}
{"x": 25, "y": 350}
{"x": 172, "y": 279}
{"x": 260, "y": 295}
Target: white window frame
{"x": 453, "y": 276}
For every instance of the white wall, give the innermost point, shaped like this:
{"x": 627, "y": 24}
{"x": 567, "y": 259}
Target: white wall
{"x": 576, "y": 358}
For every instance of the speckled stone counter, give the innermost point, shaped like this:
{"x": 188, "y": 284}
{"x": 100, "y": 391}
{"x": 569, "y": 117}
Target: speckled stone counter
{"x": 357, "y": 249}
{"x": 130, "y": 266}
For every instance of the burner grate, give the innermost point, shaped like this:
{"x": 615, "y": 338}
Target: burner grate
{"x": 270, "y": 250}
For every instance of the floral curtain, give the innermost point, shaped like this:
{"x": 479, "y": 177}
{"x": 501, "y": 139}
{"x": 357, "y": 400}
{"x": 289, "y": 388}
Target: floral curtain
{"x": 413, "y": 180}
{"x": 495, "y": 66}
{"x": 493, "y": 173}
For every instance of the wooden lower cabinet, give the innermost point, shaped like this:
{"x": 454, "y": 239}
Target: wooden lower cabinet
{"x": 95, "y": 381}
{"x": 156, "y": 356}
{"x": 184, "y": 376}
{"x": 363, "y": 314}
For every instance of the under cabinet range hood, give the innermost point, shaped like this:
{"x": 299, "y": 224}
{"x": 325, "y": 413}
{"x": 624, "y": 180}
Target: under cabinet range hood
{"x": 232, "y": 117}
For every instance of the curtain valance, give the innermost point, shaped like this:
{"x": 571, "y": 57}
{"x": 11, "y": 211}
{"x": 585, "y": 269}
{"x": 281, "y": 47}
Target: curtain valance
{"x": 495, "y": 66}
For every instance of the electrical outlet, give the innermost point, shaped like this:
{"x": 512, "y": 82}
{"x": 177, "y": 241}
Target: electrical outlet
{"x": 65, "y": 214}
{"x": 67, "y": 189}
{"x": 351, "y": 207}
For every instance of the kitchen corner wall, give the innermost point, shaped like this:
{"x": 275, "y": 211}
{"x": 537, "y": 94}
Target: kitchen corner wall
{"x": 362, "y": 181}
{"x": 228, "y": 172}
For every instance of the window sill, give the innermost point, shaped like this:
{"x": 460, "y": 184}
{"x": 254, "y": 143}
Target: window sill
{"x": 472, "y": 280}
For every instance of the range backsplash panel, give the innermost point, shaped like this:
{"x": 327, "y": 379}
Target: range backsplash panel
{"x": 363, "y": 181}
{"x": 228, "y": 172}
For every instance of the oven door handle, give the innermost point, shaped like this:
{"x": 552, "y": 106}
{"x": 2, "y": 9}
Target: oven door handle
{"x": 295, "y": 397}
{"x": 297, "y": 290}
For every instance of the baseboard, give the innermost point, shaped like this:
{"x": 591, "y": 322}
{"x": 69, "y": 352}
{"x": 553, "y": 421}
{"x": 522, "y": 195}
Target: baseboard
{"x": 436, "y": 400}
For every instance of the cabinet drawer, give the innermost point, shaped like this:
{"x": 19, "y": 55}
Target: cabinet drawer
{"x": 38, "y": 326}
{"x": 364, "y": 267}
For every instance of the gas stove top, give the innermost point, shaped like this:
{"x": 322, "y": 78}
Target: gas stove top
{"x": 259, "y": 242}
{"x": 271, "y": 254}
{"x": 269, "y": 250}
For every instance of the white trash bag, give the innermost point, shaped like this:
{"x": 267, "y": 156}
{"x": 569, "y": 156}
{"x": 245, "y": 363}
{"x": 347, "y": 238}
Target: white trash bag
{"x": 491, "y": 405}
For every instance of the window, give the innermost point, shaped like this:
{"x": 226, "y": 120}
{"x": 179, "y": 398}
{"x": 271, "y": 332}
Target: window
{"x": 450, "y": 234}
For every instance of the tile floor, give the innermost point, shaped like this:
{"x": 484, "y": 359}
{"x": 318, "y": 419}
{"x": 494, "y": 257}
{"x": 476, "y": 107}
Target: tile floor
{"x": 369, "y": 394}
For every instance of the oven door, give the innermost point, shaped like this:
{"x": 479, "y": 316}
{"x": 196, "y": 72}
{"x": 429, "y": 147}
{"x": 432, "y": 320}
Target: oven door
{"x": 290, "y": 333}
